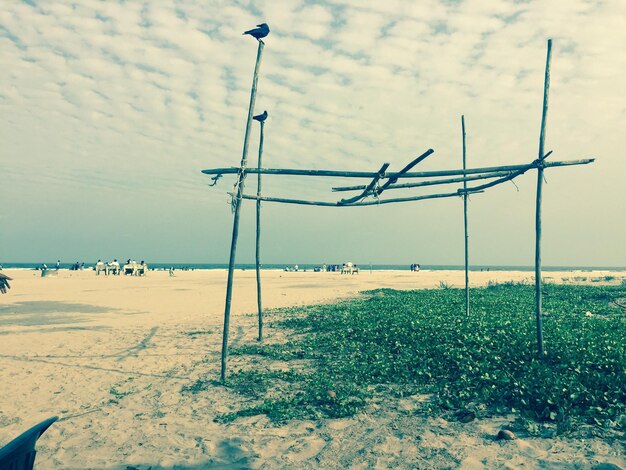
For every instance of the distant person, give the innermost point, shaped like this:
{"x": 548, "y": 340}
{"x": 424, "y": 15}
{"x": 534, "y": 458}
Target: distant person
{"x": 4, "y": 283}
{"x": 100, "y": 266}
{"x": 171, "y": 271}
{"x": 115, "y": 267}
{"x": 295, "y": 268}
{"x": 82, "y": 266}
{"x": 58, "y": 264}
{"x": 417, "y": 267}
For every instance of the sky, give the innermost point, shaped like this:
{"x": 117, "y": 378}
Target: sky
{"x": 109, "y": 110}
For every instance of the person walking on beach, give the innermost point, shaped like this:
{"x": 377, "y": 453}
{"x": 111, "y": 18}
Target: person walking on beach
{"x": 58, "y": 264}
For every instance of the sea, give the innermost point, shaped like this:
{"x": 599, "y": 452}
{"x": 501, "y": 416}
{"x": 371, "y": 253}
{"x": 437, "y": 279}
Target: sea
{"x": 311, "y": 267}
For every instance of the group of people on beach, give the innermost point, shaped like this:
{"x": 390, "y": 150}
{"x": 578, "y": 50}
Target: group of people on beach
{"x": 415, "y": 267}
{"x": 73, "y": 267}
{"x": 330, "y": 268}
{"x": 130, "y": 268}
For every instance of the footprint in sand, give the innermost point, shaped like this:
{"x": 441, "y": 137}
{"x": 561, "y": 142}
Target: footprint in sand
{"x": 305, "y": 449}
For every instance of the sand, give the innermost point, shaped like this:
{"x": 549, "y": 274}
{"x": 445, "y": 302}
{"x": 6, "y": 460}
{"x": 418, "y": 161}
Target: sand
{"x": 110, "y": 356}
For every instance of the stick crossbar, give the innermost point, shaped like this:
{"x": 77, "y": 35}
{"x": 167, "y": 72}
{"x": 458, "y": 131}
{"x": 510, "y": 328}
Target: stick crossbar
{"x": 404, "y": 170}
{"x": 355, "y": 204}
{"x": 428, "y": 183}
{"x": 369, "y": 174}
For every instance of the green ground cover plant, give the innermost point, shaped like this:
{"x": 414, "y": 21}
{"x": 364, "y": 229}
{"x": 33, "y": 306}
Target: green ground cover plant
{"x": 420, "y": 341}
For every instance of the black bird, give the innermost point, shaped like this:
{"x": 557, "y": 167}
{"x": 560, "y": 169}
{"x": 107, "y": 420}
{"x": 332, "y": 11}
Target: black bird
{"x": 261, "y": 31}
{"x": 261, "y": 117}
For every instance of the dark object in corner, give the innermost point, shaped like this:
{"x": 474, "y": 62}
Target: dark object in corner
{"x": 19, "y": 454}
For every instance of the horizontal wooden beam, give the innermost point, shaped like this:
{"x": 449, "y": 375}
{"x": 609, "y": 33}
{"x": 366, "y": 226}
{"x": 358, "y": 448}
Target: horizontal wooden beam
{"x": 356, "y": 204}
{"x": 509, "y": 177}
{"x": 428, "y": 183}
{"x": 370, "y": 174}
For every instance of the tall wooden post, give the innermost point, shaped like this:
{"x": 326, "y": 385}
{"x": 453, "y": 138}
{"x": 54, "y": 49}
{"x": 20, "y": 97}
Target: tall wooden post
{"x": 540, "y": 167}
{"x": 465, "y": 195}
{"x": 237, "y": 204}
{"x": 258, "y": 237}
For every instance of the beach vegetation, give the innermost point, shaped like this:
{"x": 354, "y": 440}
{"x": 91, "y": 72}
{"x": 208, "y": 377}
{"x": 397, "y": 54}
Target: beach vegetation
{"x": 420, "y": 342}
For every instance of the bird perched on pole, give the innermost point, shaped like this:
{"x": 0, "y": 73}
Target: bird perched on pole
{"x": 261, "y": 117}
{"x": 259, "y": 32}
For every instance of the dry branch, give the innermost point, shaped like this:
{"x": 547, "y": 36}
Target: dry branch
{"x": 368, "y": 189}
{"x": 404, "y": 170}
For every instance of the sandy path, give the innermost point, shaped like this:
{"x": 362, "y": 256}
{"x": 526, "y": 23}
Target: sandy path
{"x": 110, "y": 355}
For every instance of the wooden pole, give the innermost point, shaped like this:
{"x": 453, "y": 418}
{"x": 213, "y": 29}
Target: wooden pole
{"x": 355, "y": 204}
{"x": 465, "y": 196}
{"x": 426, "y": 183}
{"x": 369, "y": 174}
{"x": 258, "y": 238}
{"x": 237, "y": 206}
{"x": 540, "y": 167}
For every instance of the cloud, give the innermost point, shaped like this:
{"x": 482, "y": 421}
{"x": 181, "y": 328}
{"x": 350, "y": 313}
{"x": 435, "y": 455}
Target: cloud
{"x": 99, "y": 94}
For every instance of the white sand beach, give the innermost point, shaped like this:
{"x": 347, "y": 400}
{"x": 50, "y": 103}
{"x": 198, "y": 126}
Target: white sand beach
{"x": 110, "y": 354}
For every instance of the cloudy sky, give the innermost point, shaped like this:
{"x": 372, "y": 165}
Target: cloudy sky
{"x": 110, "y": 109}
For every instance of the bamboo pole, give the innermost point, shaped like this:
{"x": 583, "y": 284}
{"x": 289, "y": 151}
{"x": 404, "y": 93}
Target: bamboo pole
{"x": 427, "y": 183}
{"x": 356, "y": 204}
{"x": 258, "y": 238}
{"x": 237, "y": 206}
{"x": 369, "y": 174}
{"x": 540, "y": 167}
{"x": 465, "y": 196}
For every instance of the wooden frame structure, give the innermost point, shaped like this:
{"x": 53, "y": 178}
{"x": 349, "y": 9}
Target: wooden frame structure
{"x": 380, "y": 182}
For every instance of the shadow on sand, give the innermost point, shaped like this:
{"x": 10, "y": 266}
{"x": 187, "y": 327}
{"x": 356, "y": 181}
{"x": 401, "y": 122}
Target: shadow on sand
{"x": 229, "y": 456}
{"x": 37, "y": 313}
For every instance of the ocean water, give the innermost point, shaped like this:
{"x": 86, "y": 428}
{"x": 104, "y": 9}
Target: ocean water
{"x": 310, "y": 267}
